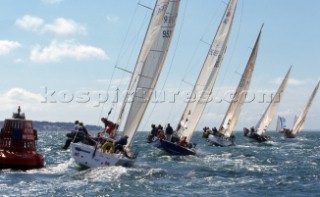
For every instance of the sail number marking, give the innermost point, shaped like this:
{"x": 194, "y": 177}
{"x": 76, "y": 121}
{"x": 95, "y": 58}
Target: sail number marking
{"x": 166, "y": 33}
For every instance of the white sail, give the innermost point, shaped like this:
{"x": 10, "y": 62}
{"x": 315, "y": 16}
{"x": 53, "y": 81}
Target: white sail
{"x": 232, "y": 115}
{"x": 153, "y": 31}
{"x": 207, "y": 77}
{"x": 299, "y": 123}
{"x": 151, "y": 68}
{"x": 267, "y": 117}
{"x": 281, "y": 124}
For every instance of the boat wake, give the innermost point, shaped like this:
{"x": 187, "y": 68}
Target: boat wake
{"x": 156, "y": 172}
{"x": 101, "y": 174}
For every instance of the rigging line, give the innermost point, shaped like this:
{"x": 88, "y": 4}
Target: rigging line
{"x": 134, "y": 41}
{"x": 229, "y": 62}
{"x": 144, "y": 6}
{"x": 187, "y": 70}
{"x": 117, "y": 60}
{"x": 170, "y": 67}
{"x": 214, "y": 16}
{"x": 201, "y": 41}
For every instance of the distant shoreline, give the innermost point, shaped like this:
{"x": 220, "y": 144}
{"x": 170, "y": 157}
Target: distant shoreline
{"x": 57, "y": 126}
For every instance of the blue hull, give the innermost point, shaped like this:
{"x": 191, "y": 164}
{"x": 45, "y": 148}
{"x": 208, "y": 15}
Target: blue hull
{"x": 173, "y": 149}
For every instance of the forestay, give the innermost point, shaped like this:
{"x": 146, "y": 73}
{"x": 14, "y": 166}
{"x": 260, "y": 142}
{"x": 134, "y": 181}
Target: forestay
{"x": 153, "y": 30}
{"x": 232, "y": 115}
{"x": 150, "y": 63}
{"x": 267, "y": 117}
{"x": 299, "y": 123}
{"x": 207, "y": 77}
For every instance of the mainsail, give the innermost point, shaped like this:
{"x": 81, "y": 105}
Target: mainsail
{"x": 267, "y": 117}
{"x": 232, "y": 115}
{"x": 207, "y": 77}
{"x": 150, "y": 62}
{"x": 299, "y": 123}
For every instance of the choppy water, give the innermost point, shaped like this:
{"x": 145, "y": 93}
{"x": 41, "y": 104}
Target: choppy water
{"x": 281, "y": 167}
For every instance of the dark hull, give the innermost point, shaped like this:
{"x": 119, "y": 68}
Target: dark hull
{"x": 259, "y": 138}
{"x": 172, "y": 148}
{"x": 288, "y": 134}
{"x": 20, "y": 160}
{"x": 220, "y": 141}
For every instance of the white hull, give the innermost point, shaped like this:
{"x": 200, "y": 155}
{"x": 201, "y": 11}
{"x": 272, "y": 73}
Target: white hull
{"x": 83, "y": 156}
{"x": 220, "y": 141}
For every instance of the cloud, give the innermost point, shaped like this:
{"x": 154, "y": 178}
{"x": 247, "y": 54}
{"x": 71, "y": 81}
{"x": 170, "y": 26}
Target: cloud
{"x": 114, "y": 81}
{"x": 291, "y": 81}
{"x": 30, "y": 23}
{"x": 18, "y": 96}
{"x": 60, "y": 26}
{"x": 6, "y": 46}
{"x": 67, "y": 49}
{"x": 64, "y": 26}
{"x": 18, "y": 61}
{"x": 296, "y": 82}
{"x": 112, "y": 19}
{"x": 52, "y": 1}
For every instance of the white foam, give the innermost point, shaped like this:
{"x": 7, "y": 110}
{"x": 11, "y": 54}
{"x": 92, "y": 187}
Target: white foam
{"x": 105, "y": 173}
{"x": 59, "y": 169}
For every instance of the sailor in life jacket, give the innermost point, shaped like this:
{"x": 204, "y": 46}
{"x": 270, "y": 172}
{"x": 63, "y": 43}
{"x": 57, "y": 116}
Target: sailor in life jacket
{"x": 109, "y": 127}
{"x": 183, "y": 141}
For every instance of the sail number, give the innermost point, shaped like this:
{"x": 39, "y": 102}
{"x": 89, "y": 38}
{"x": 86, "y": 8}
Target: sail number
{"x": 166, "y": 33}
{"x": 214, "y": 52}
{"x": 168, "y": 19}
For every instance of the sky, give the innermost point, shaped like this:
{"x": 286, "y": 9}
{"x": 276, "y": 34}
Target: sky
{"x": 58, "y": 58}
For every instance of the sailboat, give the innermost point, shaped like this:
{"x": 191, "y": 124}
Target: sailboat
{"x": 281, "y": 124}
{"x": 258, "y": 133}
{"x": 143, "y": 81}
{"x": 224, "y": 136}
{"x": 300, "y": 121}
{"x": 202, "y": 88}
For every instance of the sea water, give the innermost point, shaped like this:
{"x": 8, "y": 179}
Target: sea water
{"x": 280, "y": 167}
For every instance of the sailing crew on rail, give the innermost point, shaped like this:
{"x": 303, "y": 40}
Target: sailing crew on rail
{"x": 153, "y": 133}
{"x": 120, "y": 143}
{"x": 169, "y": 132}
{"x": 76, "y": 125}
{"x": 87, "y": 137}
{"x": 183, "y": 141}
{"x": 74, "y": 136}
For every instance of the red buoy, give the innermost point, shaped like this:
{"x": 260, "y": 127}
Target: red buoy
{"x": 18, "y": 144}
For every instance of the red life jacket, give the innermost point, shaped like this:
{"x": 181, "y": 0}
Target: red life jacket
{"x": 110, "y": 127}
